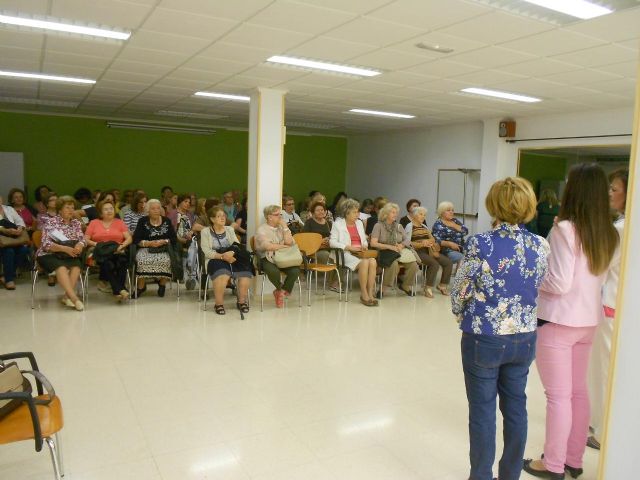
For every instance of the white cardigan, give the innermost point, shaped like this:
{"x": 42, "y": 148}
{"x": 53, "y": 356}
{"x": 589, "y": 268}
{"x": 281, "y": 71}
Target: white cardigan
{"x": 340, "y": 237}
{"x": 13, "y": 216}
{"x": 208, "y": 245}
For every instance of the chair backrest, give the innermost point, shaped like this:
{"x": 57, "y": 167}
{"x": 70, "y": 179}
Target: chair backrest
{"x": 256, "y": 257}
{"x": 36, "y": 238}
{"x": 308, "y": 243}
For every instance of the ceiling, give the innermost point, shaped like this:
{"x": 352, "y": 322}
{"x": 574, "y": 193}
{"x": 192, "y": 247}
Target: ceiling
{"x": 181, "y": 46}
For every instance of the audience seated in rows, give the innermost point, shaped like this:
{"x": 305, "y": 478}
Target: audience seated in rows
{"x": 13, "y": 251}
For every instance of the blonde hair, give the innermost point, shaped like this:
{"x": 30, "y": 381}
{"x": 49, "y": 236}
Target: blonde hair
{"x": 386, "y": 210}
{"x": 443, "y": 207}
{"x": 64, "y": 200}
{"x": 511, "y": 200}
{"x": 270, "y": 210}
{"x": 346, "y": 206}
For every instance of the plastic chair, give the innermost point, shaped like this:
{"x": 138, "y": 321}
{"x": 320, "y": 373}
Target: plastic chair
{"x": 259, "y": 271}
{"x": 31, "y": 421}
{"x": 309, "y": 244}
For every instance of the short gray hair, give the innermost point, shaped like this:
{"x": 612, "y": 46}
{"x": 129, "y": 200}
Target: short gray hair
{"x": 270, "y": 210}
{"x": 386, "y": 210}
{"x": 443, "y": 207}
{"x": 346, "y": 206}
{"x": 151, "y": 202}
{"x": 418, "y": 210}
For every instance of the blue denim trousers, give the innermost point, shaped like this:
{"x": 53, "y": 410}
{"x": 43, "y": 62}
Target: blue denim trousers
{"x": 12, "y": 258}
{"x": 455, "y": 256}
{"x": 497, "y": 366}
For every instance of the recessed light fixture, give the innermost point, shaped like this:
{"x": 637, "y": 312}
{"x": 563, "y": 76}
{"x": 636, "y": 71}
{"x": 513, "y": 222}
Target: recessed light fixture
{"x": 37, "y": 101}
{"x": 64, "y": 27}
{"x": 172, "y": 113}
{"x": 41, "y": 76}
{"x": 319, "y": 65}
{"x": 503, "y": 95}
{"x": 379, "y": 113}
{"x": 161, "y": 128}
{"x": 576, "y": 8}
{"x": 434, "y": 48}
{"x": 223, "y": 96}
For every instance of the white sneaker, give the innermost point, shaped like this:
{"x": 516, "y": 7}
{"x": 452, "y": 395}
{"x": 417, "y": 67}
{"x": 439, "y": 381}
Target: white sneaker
{"x": 67, "y": 302}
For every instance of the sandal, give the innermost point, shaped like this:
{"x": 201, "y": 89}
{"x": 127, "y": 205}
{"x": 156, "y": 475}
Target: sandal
{"x": 443, "y": 290}
{"x": 243, "y": 307}
{"x": 219, "y": 309}
{"x": 408, "y": 292}
{"x": 10, "y": 285}
{"x": 368, "y": 303}
{"x": 428, "y": 292}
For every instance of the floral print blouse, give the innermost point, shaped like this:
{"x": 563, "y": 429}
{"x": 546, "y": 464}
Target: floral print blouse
{"x": 72, "y": 230}
{"x": 495, "y": 290}
{"x": 442, "y": 232}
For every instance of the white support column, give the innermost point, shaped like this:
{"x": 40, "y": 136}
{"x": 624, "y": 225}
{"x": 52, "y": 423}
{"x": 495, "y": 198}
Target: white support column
{"x": 266, "y": 153}
{"x": 619, "y": 455}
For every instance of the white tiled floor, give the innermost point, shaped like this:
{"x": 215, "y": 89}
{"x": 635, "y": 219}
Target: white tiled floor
{"x": 159, "y": 390}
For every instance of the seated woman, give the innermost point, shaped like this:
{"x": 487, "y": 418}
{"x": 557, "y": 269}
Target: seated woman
{"x": 388, "y": 235}
{"x": 136, "y": 211}
{"x": 61, "y": 248}
{"x": 223, "y": 262}
{"x": 11, "y": 227}
{"x": 290, "y": 216}
{"x": 49, "y": 200}
{"x": 347, "y": 233}
{"x": 153, "y": 235}
{"x": 449, "y": 232}
{"x": 271, "y": 236}
{"x": 428, "y": 250}
{"x": 113, "y": 263}
{"x": 202, "y": 221}
{"x": 317, "y": 197}
{"x": 240, "y": 223}
{"x": 18, "y": 200}
{"x": 41, "y": 191}
{"x": 411, "y": 204}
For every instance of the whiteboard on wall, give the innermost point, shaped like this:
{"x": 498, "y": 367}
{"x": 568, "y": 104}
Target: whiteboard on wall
{"x": 453, "y": 188}
{"x": 12, "y": 168}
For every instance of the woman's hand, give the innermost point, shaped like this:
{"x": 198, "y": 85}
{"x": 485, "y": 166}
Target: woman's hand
{"x": 78, "y": 248}
{"x": 229, "y": 257}
{"x": 325, "y": 242}
{"x": 121, "y": 248}
{"x": 399, "y": 247}
{"x": 350, "y": 248}
{"x": 71, "y": 251}
{"x": 283, "y": 223}
{"x": 454, "y": 246}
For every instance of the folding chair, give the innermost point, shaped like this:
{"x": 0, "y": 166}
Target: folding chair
{"x": 309, "y": 244}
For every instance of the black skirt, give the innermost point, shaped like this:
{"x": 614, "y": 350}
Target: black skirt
{"x": 52, "y": 262}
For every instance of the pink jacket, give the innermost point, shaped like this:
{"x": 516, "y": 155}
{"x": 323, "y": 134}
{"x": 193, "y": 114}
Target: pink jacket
{"x": 570, "y": 294}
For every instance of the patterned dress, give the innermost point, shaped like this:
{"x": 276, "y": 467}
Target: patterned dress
{"x": 151, "y": 263}
{"x": 495, "y": 290}
{"x": 441, "y": 233}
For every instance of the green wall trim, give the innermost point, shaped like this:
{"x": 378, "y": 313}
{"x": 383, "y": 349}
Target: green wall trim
{"x": 68, "y": 152}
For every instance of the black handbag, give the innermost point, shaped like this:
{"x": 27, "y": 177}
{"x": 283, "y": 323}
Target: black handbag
{"x": 387, "y": 257}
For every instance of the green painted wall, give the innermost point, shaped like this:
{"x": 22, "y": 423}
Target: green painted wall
{"x": 67, "y": 152}
{"x": 535, "y": 167}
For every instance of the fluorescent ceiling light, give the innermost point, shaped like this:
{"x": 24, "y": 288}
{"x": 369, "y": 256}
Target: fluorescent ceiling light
{"x": 161, "y": 128}
{"x": 331, "y": 67}
{"x": 37, "y": 101}
{"x": 223, "y": 96}
{"x": 576, "y": 8}
{"x": 380, "y": 114}
{"x": 503, "y": 95}
{"x": 64, "y": 27}
{"x": 319, "y": 126}
{"x": 172, "y": 113}
{"x": 40, "y": 76}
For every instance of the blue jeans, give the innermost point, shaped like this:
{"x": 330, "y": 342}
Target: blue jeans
{"x": 12, "y": 257}
{"x": 454, "y": 255}
{"x": 497, "y": 365}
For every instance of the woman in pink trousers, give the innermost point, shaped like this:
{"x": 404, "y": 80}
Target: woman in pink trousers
{"x": 569, "y": 308}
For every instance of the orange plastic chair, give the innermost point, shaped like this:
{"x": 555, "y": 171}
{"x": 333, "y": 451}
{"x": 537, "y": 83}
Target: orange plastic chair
{"x": 309, "y": 244}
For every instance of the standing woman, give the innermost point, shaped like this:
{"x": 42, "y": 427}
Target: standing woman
{"x": 548, "y": 208}
{"x": 569, "y": 308}
{"x": 600, "y": 358}
{"x": 494, "y": 296}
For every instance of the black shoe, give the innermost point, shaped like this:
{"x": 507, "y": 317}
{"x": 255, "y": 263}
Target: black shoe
{"x": 592, "y": 442}
{"x": 574, "y": 472}
{"x": 161, "y": 289}
{"x": 140, "y": 291}
{"x": 379, "y": 294}
{"x": 408, "y": 292}
{"x": 526, "y": 466}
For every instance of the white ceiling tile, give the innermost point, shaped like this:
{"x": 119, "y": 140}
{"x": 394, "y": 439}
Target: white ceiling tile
{"x": 142, "y": 67}
{"x": 353, "y": 6}
{"x": 20, "y": 64}
{"x": 581, "y": 77}
{"x": 130, "y": 76}
{"x": 443, "y": 68}
{"x": 30, "y": 7}
{"x": 625, "y": 69}
{"x": 274, "y": 72}
{"x": 97, "y": 47}
{"x": 14, "y": 37}
{"x": 121, "y": 85}
{"x": 543, "y": 88}
{"x": 388, "y": 59}
{"x": 112, "y": 13}
{"x": 615, "y": 27}
{"x": 73, "y": 59}
{"x": 167, "y": 43}
{"x": 175, "y": 22}
{"x": 300, "y": 17}
{"x": 331, "y": 49}
{"x": 28, "y": 54}
{"x": 429, "y": 14}
{"x": 325, "y": 80}
{"x": 486, "y": 78}
{"x": 602, "y": 55}
{"x": 458, "y": 44}
{"x": 196, "y": 76}
{"x": 18, "y": 88}
{"x": 235, "y": 10}
{"x": 404, "y": 78}
{"x": 264, "y": 37}
{"x": 483, "y": 28}
{"x": 603, "y": 100}
{"x": 216, "y": 65}
{"x": 553, "y": 42}
{"x": 632, "y": 44}
{"x": 146, "y": 55}
{"x": 374, "y": 32}
{"x": 192, "y": 85}
{"x": 538, "y": 67}
{"x": 491, "y": 57}
{"x": 231, "y": 51}
{"x": 72, "y": 70}
{"x": 444, "y": 85}
{"x": 297, "y": 88}
{"x": 621, "y": 86}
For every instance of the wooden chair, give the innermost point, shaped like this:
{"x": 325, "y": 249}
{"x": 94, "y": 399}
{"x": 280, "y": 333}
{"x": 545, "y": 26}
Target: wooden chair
{"x": 309, "y": 244}
{"x": 31, "y": 421}
{"x": 259, "y": 271}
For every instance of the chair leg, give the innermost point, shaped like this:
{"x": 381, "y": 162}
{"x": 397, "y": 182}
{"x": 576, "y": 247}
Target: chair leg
{"x": 347, "y": 279}
{"x": 206, "y": 289}
{"x": 53, "y": 449}
{"x": 60, "y": 456}
{"x": 83, "y": 289}
{"x": 33, "y": 289}
{"x": 309, "y": 278}
{"x": 262, "y": 294}
{"x": 178, "y": 288}
{"x": 339, "y": 285}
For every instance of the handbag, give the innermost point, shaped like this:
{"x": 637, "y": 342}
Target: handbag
{"x": 387, "y": 257}
{"x": 366, "y": 254}
{"x": 12, "y": 380}
{"x": 9, "y": 241}
{"x": 288, "y": 257}
{"x": 408, "y": 255}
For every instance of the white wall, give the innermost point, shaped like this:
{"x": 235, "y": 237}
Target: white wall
{"x": 403, "y": 165}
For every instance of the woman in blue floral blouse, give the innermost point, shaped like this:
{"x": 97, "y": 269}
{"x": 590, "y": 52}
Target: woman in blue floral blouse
{"x": 449, "y": 232}
{"x": 494, "y": 296}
